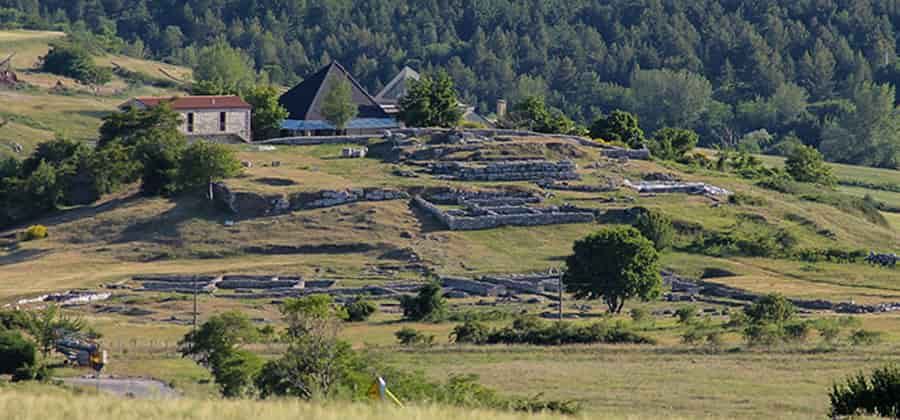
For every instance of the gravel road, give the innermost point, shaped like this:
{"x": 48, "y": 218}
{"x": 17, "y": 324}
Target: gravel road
{"x": 126, "y": 387}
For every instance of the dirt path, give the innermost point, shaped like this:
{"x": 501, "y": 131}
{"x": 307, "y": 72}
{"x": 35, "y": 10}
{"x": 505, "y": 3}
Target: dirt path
{"x": 127, "y": 387}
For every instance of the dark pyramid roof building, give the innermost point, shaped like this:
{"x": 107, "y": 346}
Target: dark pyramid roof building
{"x": 304, "y": 103}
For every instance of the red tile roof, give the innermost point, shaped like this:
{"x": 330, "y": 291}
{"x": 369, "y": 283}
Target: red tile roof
{"x": 196, "y": 102}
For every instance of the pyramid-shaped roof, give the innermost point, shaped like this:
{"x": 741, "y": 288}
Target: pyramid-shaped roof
{"x": 397, "y": 87}
{"x": 304, "y": 101}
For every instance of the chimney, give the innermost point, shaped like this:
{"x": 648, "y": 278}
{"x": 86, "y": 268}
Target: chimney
{"x": 501, "y": 109}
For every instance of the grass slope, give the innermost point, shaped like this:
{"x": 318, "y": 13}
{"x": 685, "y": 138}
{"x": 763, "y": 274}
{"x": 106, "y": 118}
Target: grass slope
{"x": 131, "y": 235}
{"x": 36, "y": 113}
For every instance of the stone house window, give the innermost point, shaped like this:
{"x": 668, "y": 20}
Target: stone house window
{"x": 190, "y": 122}
{"x": 223, "y": 117}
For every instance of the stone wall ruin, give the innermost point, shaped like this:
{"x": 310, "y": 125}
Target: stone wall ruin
{"x": 512, "y": 170}
{"x": 247, "y": 204}
{"x": 481, "y": 218}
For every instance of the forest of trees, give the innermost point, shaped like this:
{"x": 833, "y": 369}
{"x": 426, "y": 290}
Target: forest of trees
{"x": 748, "y": 73}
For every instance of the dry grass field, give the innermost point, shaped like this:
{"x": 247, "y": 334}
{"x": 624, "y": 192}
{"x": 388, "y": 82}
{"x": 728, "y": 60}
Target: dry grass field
{"x": 45, "y": 403}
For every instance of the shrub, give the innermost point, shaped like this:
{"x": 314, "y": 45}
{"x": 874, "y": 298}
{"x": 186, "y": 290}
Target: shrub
{"x": 764, "y": 334}
{"x": 797, "y": 333}
{"x": 15, "y": 352}
{"x": 639, "y": 315}
{"x": 672, "y": 143}
{"x": 34, "y": 233}
{"x": 656, "y": 227}
{"x": 359, "y": 310}
{"x": 697, "y": 160}
{"x": 834, "y": 255}
{"x": 703, "y": 333}
{"x": 36, "y": 372}
{"x": 780, "y": 182}
{"x": 746, "y": 238}
{"x": 876, "y": 395}
{"x": 619, "y": 126}
{"x": 692, "y": 336}
{"x": 806, "y": 164}
{"x": 744, "y": 199}
{"x": 772, "y": 308}
{"x": 865, "y": 337}
{"x": 75, "y": 62}
{"x": 829, "y": 330}
{"x": 202, "y": 163}
{"x": 471, "y": 332}
{"x": 428, "y": 305}
{"x": 686, "y": 314}
{"x": 412, "y": 337}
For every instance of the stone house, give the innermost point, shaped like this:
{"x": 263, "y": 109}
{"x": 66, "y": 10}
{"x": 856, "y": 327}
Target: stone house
{"x": 221, "y": 119}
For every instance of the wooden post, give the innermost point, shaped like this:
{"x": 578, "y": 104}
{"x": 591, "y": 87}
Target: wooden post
{"x": 560, "y": 287}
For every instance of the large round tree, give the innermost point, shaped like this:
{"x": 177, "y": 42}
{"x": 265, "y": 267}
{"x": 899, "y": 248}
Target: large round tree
{"x": 615, "y": 264}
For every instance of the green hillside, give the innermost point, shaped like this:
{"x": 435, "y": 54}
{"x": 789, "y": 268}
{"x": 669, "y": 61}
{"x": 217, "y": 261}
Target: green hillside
{"x": 34, "y": 112}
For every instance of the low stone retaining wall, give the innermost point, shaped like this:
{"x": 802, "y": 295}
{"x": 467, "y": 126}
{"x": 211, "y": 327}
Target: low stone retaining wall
{"x": 250, "y": 205}
{"x": 483, "y": 198}
{"x": 663, "y": 187}
{"x": 472, "y": 286}
{"x": 706, "y": 288}
{"x": 330, "y": 198}
{"x": 521, "y": 216}
{"x": 259, "y": 284}
{"x": 619, "y": 153}
{"x": 565, "y": 186}
{"x": 507, "y": 171}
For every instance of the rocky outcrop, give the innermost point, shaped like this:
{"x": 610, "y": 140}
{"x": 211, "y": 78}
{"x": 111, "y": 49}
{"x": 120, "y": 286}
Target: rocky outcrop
{"x": 507, "y": 171}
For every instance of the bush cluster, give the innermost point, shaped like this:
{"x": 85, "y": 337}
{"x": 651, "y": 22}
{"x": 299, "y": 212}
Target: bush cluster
{"x": 877, "y": 394}
{"x": 135, "y": 145}
{"x": 833, "y": 255}
{"x": 71, "y": 60}
{"x": 412, "y": 337}
{"x": 746, "y": 238}
{"x": 533, "y": 331}
{"x": 359, "y": 310}
{"x": 428, "y": 305}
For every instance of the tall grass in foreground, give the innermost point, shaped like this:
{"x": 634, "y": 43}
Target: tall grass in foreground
{"x": 50, "y": 404}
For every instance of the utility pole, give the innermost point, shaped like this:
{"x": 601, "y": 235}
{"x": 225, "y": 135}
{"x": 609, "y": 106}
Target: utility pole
{"x": 195, "y": 312}
{"x": 559, "y": 286}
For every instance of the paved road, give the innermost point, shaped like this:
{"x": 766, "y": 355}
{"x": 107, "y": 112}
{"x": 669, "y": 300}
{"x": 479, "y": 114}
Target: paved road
{"x": 127, "y": 387}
